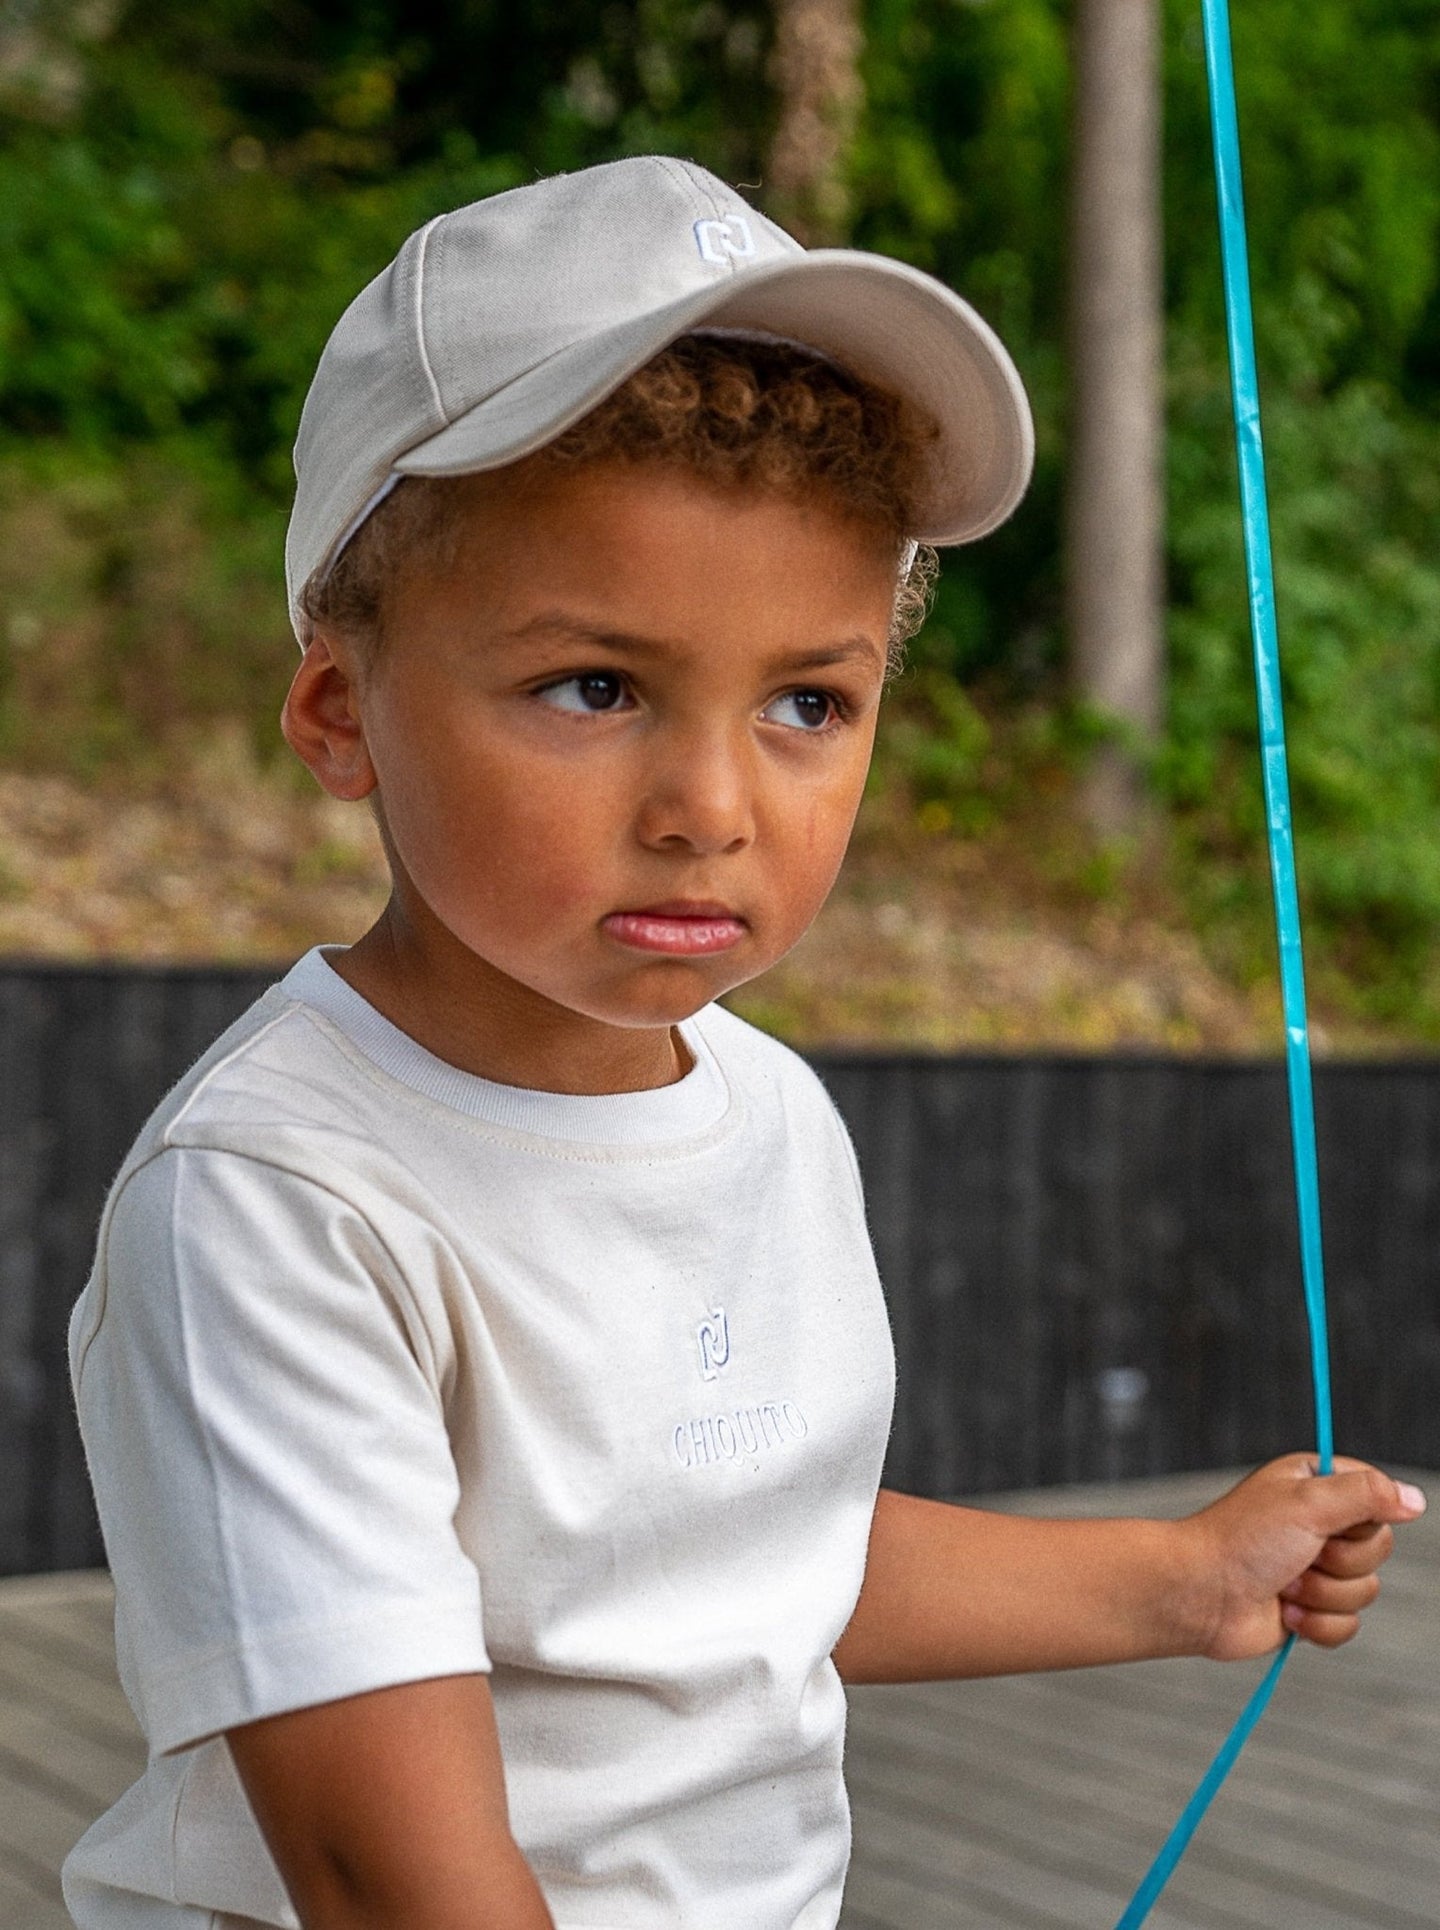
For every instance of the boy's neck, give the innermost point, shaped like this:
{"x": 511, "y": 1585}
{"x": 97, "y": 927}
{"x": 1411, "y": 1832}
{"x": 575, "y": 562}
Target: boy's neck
{"x": 461, "y": 1009}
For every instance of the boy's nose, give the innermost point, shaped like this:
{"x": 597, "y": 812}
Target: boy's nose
{"x": 699, "y": 796}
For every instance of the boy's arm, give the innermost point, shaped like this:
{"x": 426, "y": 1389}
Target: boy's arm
{"x": 389, "y": 1808}
{"x": 952, "y": 1591}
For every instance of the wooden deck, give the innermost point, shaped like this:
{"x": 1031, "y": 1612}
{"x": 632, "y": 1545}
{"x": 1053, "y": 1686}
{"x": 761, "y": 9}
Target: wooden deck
{"x": 1031, "y": 1803}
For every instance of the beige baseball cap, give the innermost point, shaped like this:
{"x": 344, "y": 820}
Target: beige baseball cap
{"x": 500, "y": 324}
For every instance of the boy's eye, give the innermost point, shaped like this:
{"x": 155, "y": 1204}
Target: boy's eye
{"x": 591, "y": 691}
{"x": 802, "y": 709}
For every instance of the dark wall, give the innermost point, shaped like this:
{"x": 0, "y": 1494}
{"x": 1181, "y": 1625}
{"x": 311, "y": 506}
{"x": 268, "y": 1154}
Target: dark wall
{"x": 1094, "y": 1267}
{"x": 84, "y": 1056}
{"x": 1091, "y": 1263}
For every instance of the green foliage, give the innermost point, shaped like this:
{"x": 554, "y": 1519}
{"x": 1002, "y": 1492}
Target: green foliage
{"x": 138, "y": 595}
{"x": 1338, "y": 107}
{"x": 935, "y": 742}
{"x": 1355, "y": 483}
{"x": 962, "y": 168}
{"x": 184, "y": 212}
{"x": 188, "y": 196}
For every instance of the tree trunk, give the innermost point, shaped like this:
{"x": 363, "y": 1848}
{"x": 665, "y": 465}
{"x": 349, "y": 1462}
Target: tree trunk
{"x": 1114, "y": 489}
{"x": 816, "y": 70}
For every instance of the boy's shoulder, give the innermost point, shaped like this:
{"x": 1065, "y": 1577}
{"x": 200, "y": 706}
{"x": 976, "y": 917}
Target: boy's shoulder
{"x": 739, "y": 1044}
{"x": 759, "y": 1061}
{"x": 272, "y": 1072}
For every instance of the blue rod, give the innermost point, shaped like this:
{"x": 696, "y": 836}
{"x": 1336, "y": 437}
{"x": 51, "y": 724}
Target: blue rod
{"x": 1245, "y": 391}
{"x": 1178, "y": 1841}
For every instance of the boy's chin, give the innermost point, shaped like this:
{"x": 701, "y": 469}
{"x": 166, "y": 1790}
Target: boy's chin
{"x": 653, "y": 1015}
{"x": 677, "y": 996}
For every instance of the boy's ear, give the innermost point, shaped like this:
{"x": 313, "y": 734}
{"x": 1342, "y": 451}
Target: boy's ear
{"x": 322, "y": 724}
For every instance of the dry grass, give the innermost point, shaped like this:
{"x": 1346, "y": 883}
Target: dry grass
{"x": 989, "y": 943}
{"x": 1000, "y": 941}
{"x": 219, "y": 863}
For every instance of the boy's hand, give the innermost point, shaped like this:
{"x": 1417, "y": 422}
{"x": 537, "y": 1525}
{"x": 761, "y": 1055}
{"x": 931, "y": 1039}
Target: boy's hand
{"x": 1289, "y": 1551}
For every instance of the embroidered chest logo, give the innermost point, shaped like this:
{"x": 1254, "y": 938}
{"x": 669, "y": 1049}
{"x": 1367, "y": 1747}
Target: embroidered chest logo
{"x": 718, "y": 241}
{"x": 713, "y": 1338}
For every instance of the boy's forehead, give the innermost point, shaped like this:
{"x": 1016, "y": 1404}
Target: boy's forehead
{"x": 646, "y": 559}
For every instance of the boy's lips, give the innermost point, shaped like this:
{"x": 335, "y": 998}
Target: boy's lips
{"x": 680, "y": 928}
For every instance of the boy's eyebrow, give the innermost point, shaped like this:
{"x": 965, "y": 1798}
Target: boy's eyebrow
{"x": 845, "y": 651}
{"x": 556, "y": 623}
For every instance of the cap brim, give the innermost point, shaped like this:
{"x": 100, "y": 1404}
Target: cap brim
{"x": 886, "y": 322}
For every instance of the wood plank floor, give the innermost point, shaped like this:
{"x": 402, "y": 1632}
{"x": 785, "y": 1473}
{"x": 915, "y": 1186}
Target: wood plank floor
{"x": 1033, "y": 1804}
{"x": 68, "y": 1742}
{"x": 1038, "y": 1802}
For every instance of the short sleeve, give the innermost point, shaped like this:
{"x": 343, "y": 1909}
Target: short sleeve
{"x": 275, "y": 1482}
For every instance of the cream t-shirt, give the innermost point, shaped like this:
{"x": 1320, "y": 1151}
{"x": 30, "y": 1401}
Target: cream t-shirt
{"x": 386, "y": 1372}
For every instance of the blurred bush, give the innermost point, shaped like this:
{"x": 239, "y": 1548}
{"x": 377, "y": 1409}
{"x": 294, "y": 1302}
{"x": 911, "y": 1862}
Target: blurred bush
{"x": 961, "y": 168}
{"x": 189, "y": 196}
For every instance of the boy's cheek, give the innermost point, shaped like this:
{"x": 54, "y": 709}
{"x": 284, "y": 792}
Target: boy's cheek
{"x": 828, "y": 826}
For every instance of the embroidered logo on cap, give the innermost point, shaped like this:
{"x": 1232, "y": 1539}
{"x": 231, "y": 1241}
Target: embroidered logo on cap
{"x": 719, "y": 240}
{"x": 713, "y": 1335}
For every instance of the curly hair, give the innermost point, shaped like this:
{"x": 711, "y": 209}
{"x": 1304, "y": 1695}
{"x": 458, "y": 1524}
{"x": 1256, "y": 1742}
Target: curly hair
{"x": 739, "y": 411}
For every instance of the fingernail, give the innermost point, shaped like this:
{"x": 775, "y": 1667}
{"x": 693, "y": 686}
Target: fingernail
{"x": 1292, "y": 1615}
{"x": 1410, "y": 1497}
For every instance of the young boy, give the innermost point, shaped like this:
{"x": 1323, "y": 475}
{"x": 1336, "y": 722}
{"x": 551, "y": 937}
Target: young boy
{"x": 484, "y": 1374}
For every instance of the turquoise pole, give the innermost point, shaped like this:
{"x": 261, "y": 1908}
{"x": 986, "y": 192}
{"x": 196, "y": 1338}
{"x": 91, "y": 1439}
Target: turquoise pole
{"x": 1245, "y": 391}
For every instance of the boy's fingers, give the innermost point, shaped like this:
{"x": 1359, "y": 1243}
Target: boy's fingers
{"x": 1325, "y": 1631}
{"x": 1347, "y": 1464}
{"x": 1359, "y": 1496}
{"x": 1331, "y": 1596}
{"x": 1357, "y": 1552}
